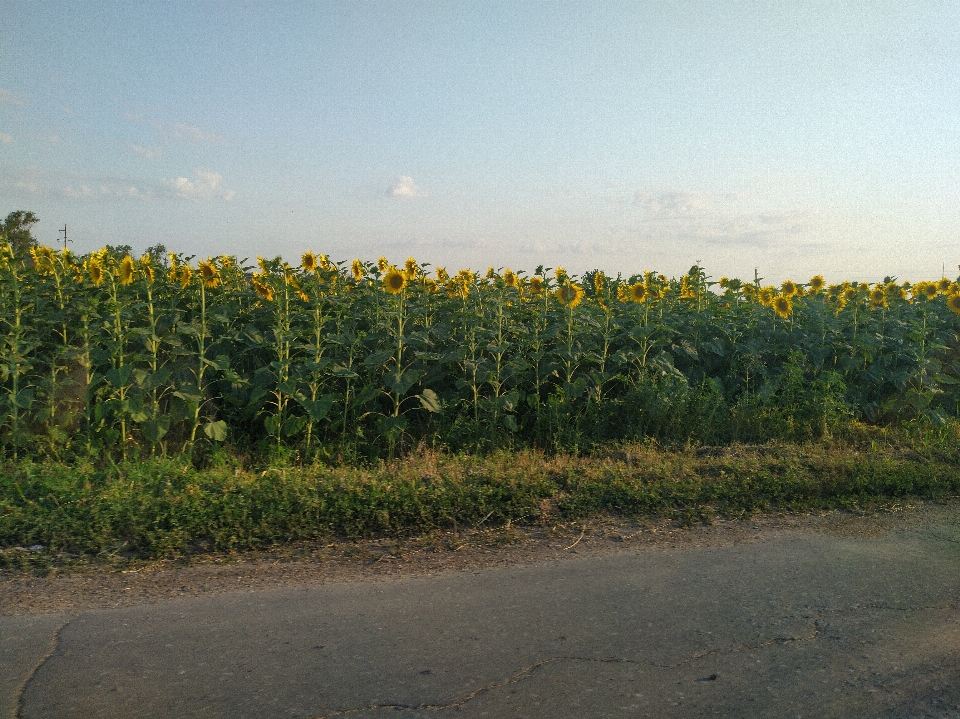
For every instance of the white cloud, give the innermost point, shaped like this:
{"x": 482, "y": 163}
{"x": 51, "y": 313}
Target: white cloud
{"x": 205, "y": 185}
{"x": 717, "y": 218}
{"x": 77, "y": 193}
{"x": 6, "y": 139}
{"x": 406, "y": 187}
{"x": 178, "y": 130}
{"x": 147, "y": 153}
{"x": 9, "y": 97}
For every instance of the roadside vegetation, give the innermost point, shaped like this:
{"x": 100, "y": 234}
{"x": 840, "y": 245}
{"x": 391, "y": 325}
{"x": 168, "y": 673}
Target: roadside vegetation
{"x": 159, "y": 405}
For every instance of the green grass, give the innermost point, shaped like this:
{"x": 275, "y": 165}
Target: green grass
{"x": 163, "y": 508}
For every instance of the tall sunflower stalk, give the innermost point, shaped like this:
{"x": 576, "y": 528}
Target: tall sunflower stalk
{"x": 15, "y": 363}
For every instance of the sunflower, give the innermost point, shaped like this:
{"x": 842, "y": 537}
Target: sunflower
{"x": 95, "y": 271}
{"x": 226, "y": 262}
{"x": 536, "y": 285}
{"x": 943, "y": 285}
{"x": 598, "y": 282}
{"x": 686, "y": 291}
{"x": 560, "y": 274}
{"x": 263, "y": 265}
{"x": 637, "y": 292}
{"x": 356, "y": 267}
{"x": 782, "y": 306}
{"x": 849, "y": 294}
{"x": 442, "y": 275}
{"x": 174, "y": 271}
{"x": 765, "y": 296}
{"x": 303, "y": 296}
{"x": 509, "y": 278}
{"x": 410, "y": 269}
{"x": 126, "y": 270}
{"x": 308, "y": 261}
{"x": 394, "y": 281}
{"x": 325, "y": 263}
{"x": 569, "y": 294}
{"x": 208, "y": 273}
{"x": 262, "y": 288}
{"x": 382, "y": 264}
{"x": 816, "y": 283}
{"x": 186, "y": 274}
{"x": 788, "y": 288}
{"x": 748, "y": 291}
{"x": 878, "y": 297}
{"x": 724, "y": 282}
{"x": 930, "y": 290}
{"x": 953, "y": 302}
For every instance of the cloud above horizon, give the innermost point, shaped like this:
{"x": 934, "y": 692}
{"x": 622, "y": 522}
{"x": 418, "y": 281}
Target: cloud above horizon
{"x": 406, "y": 187}
{"x": 147, "y": 153}
{"x": 177, "y": 130}
{"x": 9, "y": 97}
{"x": 205, "y": 185}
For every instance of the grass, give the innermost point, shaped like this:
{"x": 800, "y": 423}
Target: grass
{"x": 165, "y": 508}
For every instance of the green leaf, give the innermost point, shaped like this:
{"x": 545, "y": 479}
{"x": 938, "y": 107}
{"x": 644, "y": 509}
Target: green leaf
{"x": 510, "y": 422}
{"x": 402, "y": 381}
{"x": 317, "y": 409}
{"x": 217, "y": 431}
{"x": 155, "y": 429}
{"x": 429, "y": 400}
{"x": 24, "y": 398}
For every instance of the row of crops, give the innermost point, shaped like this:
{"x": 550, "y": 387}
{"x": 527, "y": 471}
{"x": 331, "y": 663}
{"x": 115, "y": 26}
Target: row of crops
{"x": 108, "y": 355}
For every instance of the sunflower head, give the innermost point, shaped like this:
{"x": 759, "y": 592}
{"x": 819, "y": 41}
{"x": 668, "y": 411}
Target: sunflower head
{"x": 261, "y": 287}
{"x": 186, "y": 275}
{"x": 394, "y": 281}
{"x": 442, "y": 275}
{"x": 749, "y": 291}
{"x": 308, "y": 261}
{"x": 788, "y": 288}
{"x": 209, "y": 274}
{"x": 878, "y": 297}
{"x": 536, "y": 284}
{"x": 637, "y": 292}
{"x": 953, "y": 302}
{"x": 509, "y": 278}
{"x": 569, "y": 294}
{"x": 382, "y": 264}
{"x": 766, "y": 295}
{"x": 410, "y": 269}
{"x": 325, "y": 263}
{"x": 943, "y": 285}
{"x": 95, "y": 270}
{"x": 782, "y": 306}
{"x": 126, "y": 270}
{"x": 599, "y": 281}
{"x": 930, "y": 290}
{"x": 816, "y": 283}
{"x": 357, "y": 270}
{"x": 560, "y": 274}
{"x": 724, "y": 282}
{"x": 849, "y": 294}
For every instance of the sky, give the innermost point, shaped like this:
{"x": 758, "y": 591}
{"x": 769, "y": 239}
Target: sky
{"x": 785, "y": 138}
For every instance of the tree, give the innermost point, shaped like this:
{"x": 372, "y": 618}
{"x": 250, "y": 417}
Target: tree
{"x": 16, "y": 230}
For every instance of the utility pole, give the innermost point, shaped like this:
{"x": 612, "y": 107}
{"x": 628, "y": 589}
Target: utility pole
{"x": 64, "y": 231}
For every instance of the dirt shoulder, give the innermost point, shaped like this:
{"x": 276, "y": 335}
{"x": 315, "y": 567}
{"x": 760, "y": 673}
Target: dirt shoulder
{"x": 82, "y": 588}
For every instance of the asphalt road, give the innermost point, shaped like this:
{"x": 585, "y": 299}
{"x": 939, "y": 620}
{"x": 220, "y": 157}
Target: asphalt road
{"x": 793, "y": 624}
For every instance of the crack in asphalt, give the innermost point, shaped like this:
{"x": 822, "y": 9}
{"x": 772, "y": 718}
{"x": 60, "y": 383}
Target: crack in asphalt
{"x": 51, "y": 649}
{"x": 526, "y": 672}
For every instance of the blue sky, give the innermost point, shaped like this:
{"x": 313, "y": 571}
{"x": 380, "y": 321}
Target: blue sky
{"x": 791, "y": 137}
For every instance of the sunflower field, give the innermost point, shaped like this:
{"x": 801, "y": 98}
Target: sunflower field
{"x": 108, "y": 355}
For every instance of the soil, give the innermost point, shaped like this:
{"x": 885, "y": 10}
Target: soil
{"x": 78, "y": 588}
